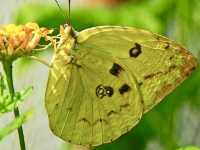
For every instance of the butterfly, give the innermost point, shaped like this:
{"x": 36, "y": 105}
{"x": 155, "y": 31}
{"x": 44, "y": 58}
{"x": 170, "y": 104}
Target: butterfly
{"x": 103, "y": 79}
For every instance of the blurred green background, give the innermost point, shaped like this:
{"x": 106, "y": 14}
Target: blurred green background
{"x": 175, "y": 122}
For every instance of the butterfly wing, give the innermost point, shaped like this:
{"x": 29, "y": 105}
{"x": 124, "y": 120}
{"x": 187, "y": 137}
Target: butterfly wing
{"x": 117, "y": 73}
{"x": 84, "y": 102}
{"x": 158, "y": 64}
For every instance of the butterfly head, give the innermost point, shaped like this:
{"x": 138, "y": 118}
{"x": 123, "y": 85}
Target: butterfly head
{"x": 68, "y": 37}
{"x": 67, "y": 31}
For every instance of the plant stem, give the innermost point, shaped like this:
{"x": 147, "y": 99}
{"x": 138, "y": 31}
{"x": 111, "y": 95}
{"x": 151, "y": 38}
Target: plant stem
{"x": 7, "y": 66}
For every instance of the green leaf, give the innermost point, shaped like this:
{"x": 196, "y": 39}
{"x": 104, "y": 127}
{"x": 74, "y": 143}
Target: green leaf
{"x": 8, "y": 104}
{"x": 19, "y": 96}
{"x": 9, "y": 128}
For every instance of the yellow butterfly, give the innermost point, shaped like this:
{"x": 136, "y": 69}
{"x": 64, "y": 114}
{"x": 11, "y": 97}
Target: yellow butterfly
{"x": 103, "y": 79}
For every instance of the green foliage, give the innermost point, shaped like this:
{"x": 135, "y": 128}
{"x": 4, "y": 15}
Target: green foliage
{"x": 7, "y": 103}
{"x": 189, "y": 148}
{"x": 46, "y": 17}
{"x": 100, "y": 16}
{"x": 12, "y": 126}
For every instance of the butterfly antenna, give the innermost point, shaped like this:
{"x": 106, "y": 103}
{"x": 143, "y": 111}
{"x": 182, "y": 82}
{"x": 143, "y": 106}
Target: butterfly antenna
{"x": 69, "y": 13}
{"x": 62, "y": 12}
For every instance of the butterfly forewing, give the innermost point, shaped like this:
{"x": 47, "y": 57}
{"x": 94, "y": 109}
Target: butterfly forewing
{"x": 158, "y": 64}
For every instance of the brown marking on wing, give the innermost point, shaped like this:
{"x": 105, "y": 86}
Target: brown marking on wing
{"x": 191, "y": 62}
{"x": 85, "y": 121}
{"x": 185, "y": 71}
{"x": 167, "y": 45}
{"x": 150, "y": 76}
{"x": 112, "y": 112}
{"x": 69, "y": 108}
{"x": 124, "y": 106}
{"x": 101, "y": 120}
{"x": 163, "y": 91}
{"x": 191, "y": 65}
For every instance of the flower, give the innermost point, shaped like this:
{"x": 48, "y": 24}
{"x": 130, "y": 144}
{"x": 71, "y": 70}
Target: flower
{"x": 20, "y": 40}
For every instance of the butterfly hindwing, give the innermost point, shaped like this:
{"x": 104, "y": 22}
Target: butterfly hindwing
{"x": 120, "y": 105}
{"x": 93, "y": 106}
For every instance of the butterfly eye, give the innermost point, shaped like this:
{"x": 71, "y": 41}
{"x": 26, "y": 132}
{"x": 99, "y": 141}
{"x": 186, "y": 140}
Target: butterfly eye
{"x": 135, "y": 51}
{"x": 124, "y": 88}
{"x": 65, "y": 25}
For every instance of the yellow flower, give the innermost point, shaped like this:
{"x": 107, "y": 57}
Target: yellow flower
{"x": 20, "y": 40}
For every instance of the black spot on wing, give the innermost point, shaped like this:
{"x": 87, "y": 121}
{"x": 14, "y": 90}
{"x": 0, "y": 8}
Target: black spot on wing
{"x": 102, "y": 91}
{"x": 124, "y": 88}
{"x": 109, "y": 91}
{"x": 116, "y": 69}
{"x": 140, "y": 83}
{"x": 135, "y": 51}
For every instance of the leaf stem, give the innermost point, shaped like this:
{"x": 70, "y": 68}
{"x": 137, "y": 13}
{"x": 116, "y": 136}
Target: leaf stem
{"x": 7, "y": 66}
